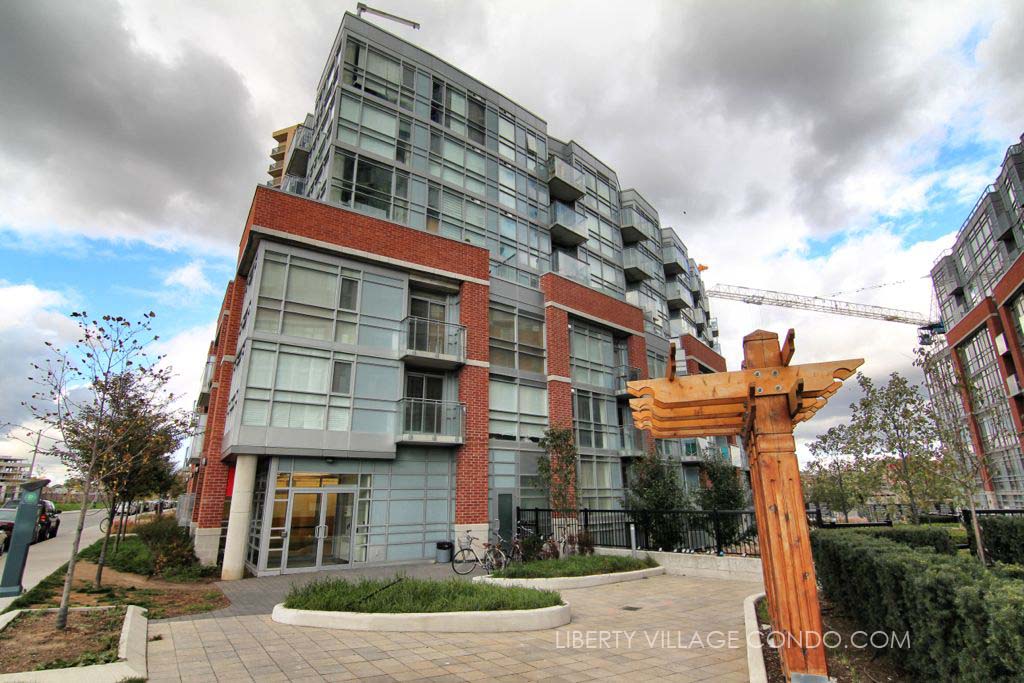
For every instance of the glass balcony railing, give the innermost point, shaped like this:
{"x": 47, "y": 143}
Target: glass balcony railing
{"x": 636, "y": 227}
{"x": 424, "y": 420}
{"x": 206, "y": 384}
{"x": 278, "y": 151}
{"x": 624, "y": 374}
{"x": 275, "y": 168}
{"x": 570, "y": 267}
{"x": 677, "y": 295}
{"x": 632, "y": 438}
{"x": 564, "y": 181}
{"x": 437, "y": 341}
{"x": 298, "y": 152}
{"x": 674, "y": 259}
{"x": 568, "y": 226}
{"x": 637, "y": 265}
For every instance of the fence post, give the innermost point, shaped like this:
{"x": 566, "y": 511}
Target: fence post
{"x": 586, "y": 518}
{"x": 719, "y": 546}
{"x": 632, "y": 538}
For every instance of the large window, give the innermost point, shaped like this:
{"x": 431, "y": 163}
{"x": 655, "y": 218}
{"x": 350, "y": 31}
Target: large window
{"x": 300, "y": 388}
{"x": 517, "y": 411}
{"x": 600, "y": 482}
{"x": 597, "y": 421}
{"x": 592, "y": 356}
{"x": 300, "y": 297}
{"x": 517, "y": 340}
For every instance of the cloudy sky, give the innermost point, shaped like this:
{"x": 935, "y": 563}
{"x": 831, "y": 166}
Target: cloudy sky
{"x": 815, "y": 147}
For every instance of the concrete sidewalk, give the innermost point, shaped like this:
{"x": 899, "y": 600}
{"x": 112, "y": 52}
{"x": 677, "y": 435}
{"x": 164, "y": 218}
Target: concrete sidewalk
{"x": 666, "y": 628}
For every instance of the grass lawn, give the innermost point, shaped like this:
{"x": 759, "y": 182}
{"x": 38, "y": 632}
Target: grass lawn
{"x": 575, "y": 565}
{"x": 32, "y": 643}
{"x": 405, "y": 595}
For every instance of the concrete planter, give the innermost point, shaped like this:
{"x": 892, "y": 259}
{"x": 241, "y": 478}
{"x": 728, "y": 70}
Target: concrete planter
{"x": 730, "y": 567}
{"x": 131, "y": 654}
{"x": 570, "y": 582}
{"x": 755, "y": 657}
{"x": 499, "y": 621}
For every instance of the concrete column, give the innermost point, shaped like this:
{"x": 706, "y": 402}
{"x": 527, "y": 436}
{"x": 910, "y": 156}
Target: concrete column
{"x": 239, "y": 517}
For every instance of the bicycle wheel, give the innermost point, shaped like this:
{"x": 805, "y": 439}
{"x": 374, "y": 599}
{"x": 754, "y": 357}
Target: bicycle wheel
{"x": 464, "y": 561}
{"x": 104, "y": 525}
{"x": 495, "y": 560}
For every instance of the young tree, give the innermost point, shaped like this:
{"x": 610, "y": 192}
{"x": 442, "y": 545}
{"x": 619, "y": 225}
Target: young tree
{"x": 722, "y": 488}
{"x": 77, "y": 394}
{"x": 837, "y": 477}
{"x": 654, "y": 489}
{"x": 963, "y": 467}
{"x": 557, "y": 467}
{"x": 891, "y": 423}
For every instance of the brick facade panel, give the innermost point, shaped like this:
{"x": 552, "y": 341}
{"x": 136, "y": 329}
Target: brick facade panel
{"x": 558, "y": 289}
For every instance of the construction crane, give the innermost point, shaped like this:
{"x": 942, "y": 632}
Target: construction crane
{"x": 926, "y": 328}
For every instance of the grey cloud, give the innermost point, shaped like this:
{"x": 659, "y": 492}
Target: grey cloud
{"x": 124, "y": 139}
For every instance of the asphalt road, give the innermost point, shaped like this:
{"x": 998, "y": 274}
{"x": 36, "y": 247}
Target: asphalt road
{"x": 45, "y": 557}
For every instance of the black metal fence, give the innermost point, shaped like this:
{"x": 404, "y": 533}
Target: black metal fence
{"x": 723, "y": 532}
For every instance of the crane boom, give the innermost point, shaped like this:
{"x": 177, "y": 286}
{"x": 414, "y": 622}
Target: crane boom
{"x": 768, "y": 297}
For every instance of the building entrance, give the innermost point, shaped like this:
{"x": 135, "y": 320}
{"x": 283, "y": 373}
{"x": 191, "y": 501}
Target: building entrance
{"x": 319, "y": 529}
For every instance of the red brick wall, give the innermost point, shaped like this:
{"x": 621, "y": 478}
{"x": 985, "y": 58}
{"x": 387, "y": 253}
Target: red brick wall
{"x": 636, "y": 345}
{"x": 971, "y": 322}
{"x": 472, "y": 457}
{"x": 971, "y": 424}
{"x": 307, "y": 218}
{"x": 556, "y": 332}
{"x": 557, "y": 289}
{"x": 210, "y": 505}
{"x": 697, "y": 352}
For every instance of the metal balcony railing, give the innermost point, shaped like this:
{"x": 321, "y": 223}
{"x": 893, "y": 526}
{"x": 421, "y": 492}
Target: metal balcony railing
{"x": 623, "y": 374}
{"x": 434, "y": 337}
{"x": 424, "y": 420}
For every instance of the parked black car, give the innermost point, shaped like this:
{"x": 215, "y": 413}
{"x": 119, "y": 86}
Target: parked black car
{"x": 47, "y": 523}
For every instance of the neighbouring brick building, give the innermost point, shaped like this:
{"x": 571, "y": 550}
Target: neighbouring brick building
{"x": 979, "y": 285}
{"x": 435, "y": 282}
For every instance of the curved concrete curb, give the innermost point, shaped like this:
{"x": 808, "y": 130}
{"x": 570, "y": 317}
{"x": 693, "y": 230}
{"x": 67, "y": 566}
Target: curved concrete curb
{"x": 131, "y": 654}
{"x": 498, "y": 621}
{"x": 755, "y": 658}
{"x": 570, "y": 582}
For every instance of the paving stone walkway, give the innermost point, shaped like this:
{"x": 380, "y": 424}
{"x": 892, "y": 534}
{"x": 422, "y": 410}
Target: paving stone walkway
{"x": 666, "y": 628}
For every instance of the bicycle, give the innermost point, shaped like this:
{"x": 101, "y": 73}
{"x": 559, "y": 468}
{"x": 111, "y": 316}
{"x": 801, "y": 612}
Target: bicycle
{"x": 465, "y": 560}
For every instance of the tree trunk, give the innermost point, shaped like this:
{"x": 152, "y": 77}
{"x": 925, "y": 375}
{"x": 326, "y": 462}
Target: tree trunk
{"x": 915, "y": 516}
{"x": 65, "y": 597}
{"x": 101, "y": 562}
{"x": 979, "y": 542}
{"x": 842, "y": 496}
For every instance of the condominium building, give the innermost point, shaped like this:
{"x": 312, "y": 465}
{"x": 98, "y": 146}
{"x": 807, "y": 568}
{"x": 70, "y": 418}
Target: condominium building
{"x": 979, "y": 285}
{"x": 13, "y": 471}
{"x": 437, "y": 282}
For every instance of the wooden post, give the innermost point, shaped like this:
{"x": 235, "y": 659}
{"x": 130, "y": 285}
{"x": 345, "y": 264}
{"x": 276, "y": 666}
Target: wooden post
{"x": 783, "y": 533}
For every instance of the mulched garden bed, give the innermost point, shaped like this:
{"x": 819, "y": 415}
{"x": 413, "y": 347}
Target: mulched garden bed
{"x": 31, "y": 642}
{"x": 845, "y": 664}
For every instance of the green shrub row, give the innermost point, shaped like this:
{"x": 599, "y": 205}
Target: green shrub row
{"x": 1004, "y": 538}
{"x": 404, "y": 595}
{"x": 159, "y": 547}
{"x": 574, "y": 565}
{"x": 936, "y": 538}
{"x": 965, "y": 622}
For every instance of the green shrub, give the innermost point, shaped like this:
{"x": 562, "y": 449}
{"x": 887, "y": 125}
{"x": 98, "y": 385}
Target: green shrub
{"x": 132, "y": 556}
{"x": 1008, "y": 571}
{"x": 170, "y": 545}
{"x": 965, "y": 622}
{"x": 936, "y": 538}
{"x": 575, "y": 565}
{"x": 532, "y": 545}
{"x": 1004, "y": 538}
{"x": 404, "y": 595}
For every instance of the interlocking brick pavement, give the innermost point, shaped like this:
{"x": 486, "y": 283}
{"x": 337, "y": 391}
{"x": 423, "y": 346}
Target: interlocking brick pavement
{"x": 674, "y": 639}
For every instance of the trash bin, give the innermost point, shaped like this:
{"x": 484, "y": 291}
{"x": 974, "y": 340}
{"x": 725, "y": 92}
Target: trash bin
{"x": 443, "y": 554}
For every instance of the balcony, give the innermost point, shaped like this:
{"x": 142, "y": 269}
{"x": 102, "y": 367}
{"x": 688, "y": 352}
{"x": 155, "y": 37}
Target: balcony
{"x": 674, "y": 259}
{"x": 433, "y": 343}
{"x": 206, "y": 384}
{"x": 677, "y": 295}
{"x": 635, "y": 226}
{"x": 572, "y": 268}
{"x": 568, "y": 226}
{"x": 277, "y": 153}
{"x": 428, "y": 422}
{"x": 632, "y": 439}
{"x": 623, "y": 374}
{"x": 637, "y": 265}
{"x": 275, "y": 169}
{"x": 294, "y": 185}
{"x": 564, "y": 181}
{"x": 298, "y": 152}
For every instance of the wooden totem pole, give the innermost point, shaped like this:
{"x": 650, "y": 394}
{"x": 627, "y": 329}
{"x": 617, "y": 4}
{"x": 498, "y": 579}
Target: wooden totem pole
{"x": 761, "y": 403}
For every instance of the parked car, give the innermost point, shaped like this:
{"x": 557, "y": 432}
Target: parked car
{"x": 47, "y": 522}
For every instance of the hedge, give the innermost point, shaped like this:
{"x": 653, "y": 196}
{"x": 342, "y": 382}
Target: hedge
{"x": 965, "y": 622}
{"x": 1004, "y": 537}
{"x": 936, "y": 538}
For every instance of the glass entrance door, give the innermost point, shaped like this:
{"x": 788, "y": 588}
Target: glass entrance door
{"x": 319, "y": 529}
